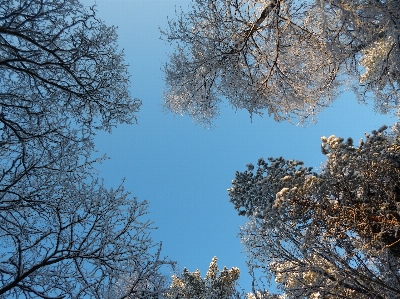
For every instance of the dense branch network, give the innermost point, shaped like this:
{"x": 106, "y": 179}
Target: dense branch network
{"x": 328, "y": 233}
{"x": 77, "y": 240}
{"x": 285, "y": 57}
{"x": 61, "y": 78}
{"x": 56, "y": 54}
{"x": 62, "y": 233}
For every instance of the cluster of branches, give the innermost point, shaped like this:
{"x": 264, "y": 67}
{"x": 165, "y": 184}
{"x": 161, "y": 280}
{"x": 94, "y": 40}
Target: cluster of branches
{"x": 62, "y": 233}
{"x": 285, "y": 57}
{"x": 326, "y": 235}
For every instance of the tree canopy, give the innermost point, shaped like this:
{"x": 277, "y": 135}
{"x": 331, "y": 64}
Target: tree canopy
{"x": 289, "y": 58}
{"x": 217, "y": 284}
{"x": 327, "y": 234}
{"x": 58, "y": 60}
{"x": 63, "y": 234}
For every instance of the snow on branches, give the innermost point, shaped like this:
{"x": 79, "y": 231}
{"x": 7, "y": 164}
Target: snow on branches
{"x": 328, "y": 233}
{"x": 218, "y": 284}
{"x": 288, "y": 58}
{"x": 62, "y": 233}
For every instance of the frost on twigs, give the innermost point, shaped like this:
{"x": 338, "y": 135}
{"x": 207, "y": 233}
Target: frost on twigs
{"x": 62, "y": 233}
{"x": 60, "y": 61}
{"x": 281, "y": 57}
{"x": 331, "y": 233}
{"x": 259, "y": 55}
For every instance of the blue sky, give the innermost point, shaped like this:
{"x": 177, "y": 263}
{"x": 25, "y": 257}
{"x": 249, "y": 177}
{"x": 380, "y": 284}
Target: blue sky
{"x": 183, "y": 169}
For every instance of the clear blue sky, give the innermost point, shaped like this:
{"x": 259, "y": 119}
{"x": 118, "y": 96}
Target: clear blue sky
{"x": 183, "y": 169}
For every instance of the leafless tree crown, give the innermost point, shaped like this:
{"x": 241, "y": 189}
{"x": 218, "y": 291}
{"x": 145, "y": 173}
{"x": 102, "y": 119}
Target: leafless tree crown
{"x": 289, "y": 58}
{"x": 63, "y": 234}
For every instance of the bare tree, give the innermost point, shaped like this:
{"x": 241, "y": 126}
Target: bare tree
{"x": 67, "y": 236}
{"x": 286, "y": 57}
{"x": 62, "y": 77}
{"x": 329, "y": 234}
{"x": 58, "y": 60}
{"x": 62, "y": 233}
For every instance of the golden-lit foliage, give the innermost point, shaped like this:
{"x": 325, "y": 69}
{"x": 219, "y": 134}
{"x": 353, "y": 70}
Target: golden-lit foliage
{"x": 327, "y": 233}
